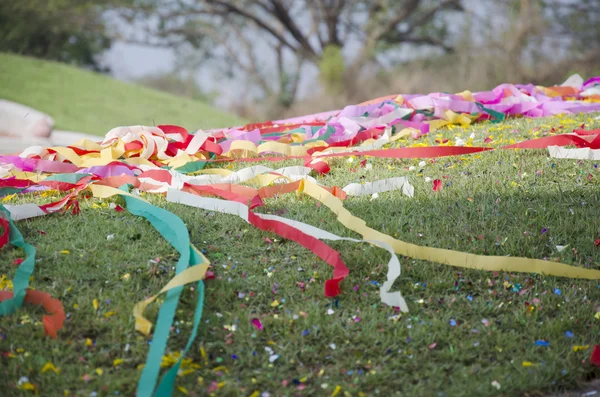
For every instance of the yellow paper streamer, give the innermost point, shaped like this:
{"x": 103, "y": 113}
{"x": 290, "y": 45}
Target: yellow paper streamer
{"x": 444, "y": 256}
{"x": 189, "y": 275}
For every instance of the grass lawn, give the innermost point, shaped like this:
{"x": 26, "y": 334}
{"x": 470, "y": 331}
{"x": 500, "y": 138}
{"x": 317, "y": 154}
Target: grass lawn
{"x": 468, "y": 333}
{"x": 92, "y": 103}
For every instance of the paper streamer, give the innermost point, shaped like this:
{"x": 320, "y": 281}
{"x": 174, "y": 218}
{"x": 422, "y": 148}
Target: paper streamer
{"x": 323, "y": 251}
{"x": 444, "y": 256}
{"x": 577, "y": 154}
{"x": 172, "y": 228}
{"x": 235, "y": 208}
{"x": 21, "y": 279}
{"x": 383, "y": 185}
{"x": 53, "y": 322}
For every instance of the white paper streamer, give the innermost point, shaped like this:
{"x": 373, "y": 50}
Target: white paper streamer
{"x": 391, "y": 298}
{"x": 383, "y": 185}
{"x": 577, "y": 154}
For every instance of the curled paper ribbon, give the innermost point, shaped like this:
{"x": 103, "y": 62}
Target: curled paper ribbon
{"x": 444, "y": 256}
{"x": 235, "y": 208}
{"x": 21, "y": 280}
{"x": 172, "y": 228}
{"x": 53, "y": 322}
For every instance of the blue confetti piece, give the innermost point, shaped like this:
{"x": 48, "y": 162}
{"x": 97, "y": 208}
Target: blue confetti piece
{"x": 453, "y": 323}
{"x": 557, "y": 291}
{"x": 470, "y": 298}
{"x": 542, "y": 343}
{"x": 569, "y": 334}
{"x": 305, "y": 332}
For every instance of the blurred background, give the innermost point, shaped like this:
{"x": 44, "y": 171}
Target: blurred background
{"x": 262, "y": 59}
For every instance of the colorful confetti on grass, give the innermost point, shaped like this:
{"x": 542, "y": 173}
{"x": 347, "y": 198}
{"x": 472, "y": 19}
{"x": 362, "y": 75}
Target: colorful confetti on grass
{"x": 132, "y": 161}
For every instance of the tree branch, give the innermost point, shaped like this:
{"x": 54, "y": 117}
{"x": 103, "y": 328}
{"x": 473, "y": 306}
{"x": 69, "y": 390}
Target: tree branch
{"x": 258, "y": 21}
{"x": 284, "y": 17}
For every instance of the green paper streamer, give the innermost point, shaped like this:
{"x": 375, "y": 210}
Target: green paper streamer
{"x": 497, "y": 116}
{"x": 7, "y": 191}
{"x": 24, "y": 271}
{"x": 172, "y": 228}
{"x": 165, "y": 388}
{"x": 69, "y": 178}
{"x": 190, "y": 167}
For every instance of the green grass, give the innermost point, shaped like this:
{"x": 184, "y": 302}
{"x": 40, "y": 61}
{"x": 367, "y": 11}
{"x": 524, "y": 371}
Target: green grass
{"x": 495, "y": 203}
{"x": 92, "y": 103}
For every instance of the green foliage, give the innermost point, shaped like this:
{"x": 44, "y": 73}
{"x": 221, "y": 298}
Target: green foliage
{"x": 331, "y": 69}
{"x": 70, "y": 31}
{"x": 80, "y": 100}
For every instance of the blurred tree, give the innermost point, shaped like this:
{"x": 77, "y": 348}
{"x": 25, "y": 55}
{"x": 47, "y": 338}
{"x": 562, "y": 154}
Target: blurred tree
{"x": 577, "y": 21}
{"x": 238, "y": 34}
{"x": 71, "y": 31}
{"x": 176, "y": 84}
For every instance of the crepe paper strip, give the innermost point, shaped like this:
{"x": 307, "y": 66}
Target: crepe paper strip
{"x": 38, "y": 165}
{"x": 29, "y": 210}
{"x": 25, "y": 269}
{"x": 322, "y": 250}
{"x": 107, "y": 155}
{"x": 56, "y": 318}
{"x": 24, "y": 211}
{"x": 297, "y": 230}
{"x": 244, "y": 193}
{"x": 172, "y": 228}
{"x": 16, "y": 183}
{"x": 5, "y": 225}
{"x": 595, "y": 357}
{"x": 191, "y": 274}
{"x": 578, "y": 154}
{"x": 383, "y": 185}
{"x": 7, "y": 191}
{"x": 167, "y": 383}
{"x": 326, "y": 253}
{"x": 442, "y": 151}
{"x": 445, "y": 256}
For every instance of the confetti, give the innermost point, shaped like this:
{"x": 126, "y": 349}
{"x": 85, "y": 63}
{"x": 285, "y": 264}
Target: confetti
{"x": 577, "y": 348}
{"x": 50, "y": 367}
{"x": 569, "y": 334}
{"x": 256, "y": 322}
